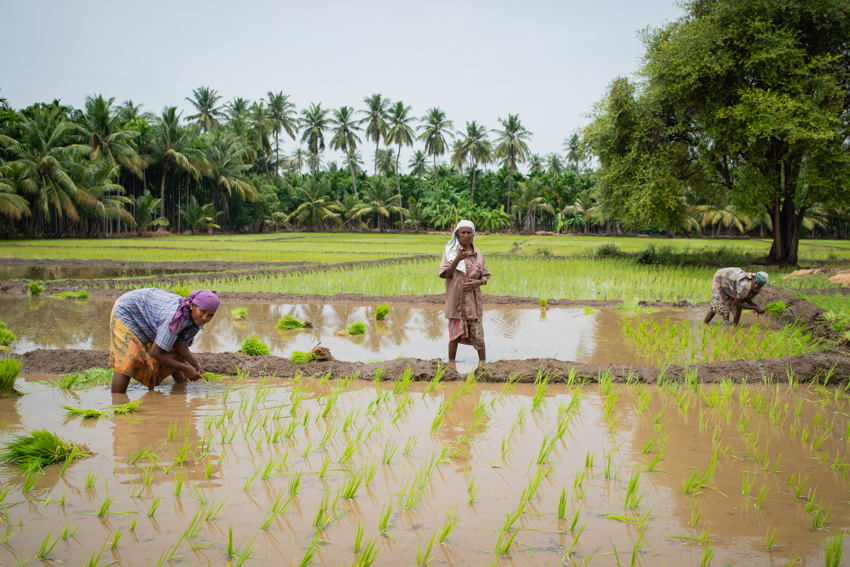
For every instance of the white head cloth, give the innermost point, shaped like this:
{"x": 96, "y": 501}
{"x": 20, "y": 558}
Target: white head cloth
{"x": 454, "y": 244}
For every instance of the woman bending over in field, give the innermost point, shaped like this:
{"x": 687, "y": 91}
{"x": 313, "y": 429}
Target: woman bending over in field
{"x": 152, "y": 331}
{"x": 733, "y": 288}
{"x": 465, "y": 271}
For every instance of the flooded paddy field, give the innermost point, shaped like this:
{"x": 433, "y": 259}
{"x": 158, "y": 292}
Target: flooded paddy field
{"x": 304, "y": 470}
{"x": 419, "y": 331}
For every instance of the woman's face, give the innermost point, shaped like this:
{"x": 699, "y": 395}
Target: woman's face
{"x": 464, "y": 236}
{"x": 201, "y": 316}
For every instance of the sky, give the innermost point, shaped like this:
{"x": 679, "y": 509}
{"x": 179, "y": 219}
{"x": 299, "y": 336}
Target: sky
{"x": 548, "y": 61}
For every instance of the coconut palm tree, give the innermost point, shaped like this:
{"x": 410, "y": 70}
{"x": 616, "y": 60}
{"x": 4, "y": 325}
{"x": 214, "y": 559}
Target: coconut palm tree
{"x": 284, "y": 119}
{"x": 418, "y": 164}
{"x": 227, "y": 158}
{"x": 434, "y": 129}
{"x": 474, "y": 146}
{"x": 379, "y": 200}
{"x": 723, "y": 215}
{"x": 348, "y": 208}
{"x": 376, "y": 121}
{"x": 174, "y": 148}
{"x": 535, "y": 164}
{"x": 314, "y": 121}
{"x": 316, "y": 205}
{"x": 146, "y": 206}
{"x": 130, "y": 111}
{"x": 386, "y": 161}
{"x": 531, "y": 200}
{"x": 101, "y": 125}
{"x": 299, "y": 158}
{"x": 200, "y": 217}
{"x": 15, "y": 182}
{"x": 105, "y": 197}
{"x": 47, "y": 153}
{"x": 354, "y": 162}
{"x": 204, "y": 100}
{"x": 573, "y": 147}
{"x": 399, "y": 131}
{"x": 237, "y": 109}
{"x": 584, "y": 207}
{"x": 345, "y": 136}
{"x": 554, "y": 165}
{"x": 511, "y": 147}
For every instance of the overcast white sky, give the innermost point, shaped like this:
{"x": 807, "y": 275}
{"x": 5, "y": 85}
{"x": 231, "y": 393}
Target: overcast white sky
{"x": 548, "y": 61}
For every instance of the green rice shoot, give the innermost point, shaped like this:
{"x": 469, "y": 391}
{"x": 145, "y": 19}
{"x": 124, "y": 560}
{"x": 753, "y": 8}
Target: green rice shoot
{"x": 82, "y": 380}
{"x": 7, "y": 337}
{"x": 356, "y": 328}
{"x": 289, "y": 323}
{"x": 86, "y": 413}
{"x": 776, "y": 309}
{"x": 35, "y": 289}
{"x": 181, "y": 290}
{"x": 39, "y": 449}
{"x": 300, "y": 357}
{"x": 381, "y": 312}
{"x": 211, "y": 376}
{"x": 10, "y": 368}
{"x": 238, "y": 314}
{"x": 127, "y": 409}
{"x": 253, "y": 346}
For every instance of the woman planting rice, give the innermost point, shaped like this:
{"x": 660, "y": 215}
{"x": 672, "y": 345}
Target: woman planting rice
{"x": 465, "y": 271}
{"x": 734, "y": 288}
{"x": 152, "y": 331}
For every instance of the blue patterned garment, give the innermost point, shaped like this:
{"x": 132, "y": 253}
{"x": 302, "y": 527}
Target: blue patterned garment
{"x": 734, "y": 283}
{"x": 147, "y": 312}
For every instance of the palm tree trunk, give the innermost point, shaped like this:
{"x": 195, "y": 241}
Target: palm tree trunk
{"x": 162, "y": 191}
{"x": 472, "y": 194}
{"x": 351, "y": 170}
{"x": 377, "y": 145}
{"x": 277, "y": 155}
{"x": 436, "y": 175}
{"x": 398, "y": 185}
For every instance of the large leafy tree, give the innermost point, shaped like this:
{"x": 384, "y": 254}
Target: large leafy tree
{"x": 199, "y": 217}
{"x": 376, "y": 121}
{"x": 399, "y": 131}
{"x": 434, "y": 129}
{"x": 284, "y": 119}
{"x": 379, "y": 200}
{"x": 49, "y": 157}
{"x": 314, "y": 122}
{"x": 529, "y": 202}
{"x": 204, "y": 100}
{"x": 749, "y": 97}
{"x": 227, "y": 165}
{"x": 511, "y": 146}
{"x": 345, "y": 137}
{"x": 315, "y": 204}
{"x": 261, "y": 126}
{"x": 573, "y": 147}
{"x": 146, "y": 207}
{"x": 418, "y": 164}
{"x": 474, "y": 146}
{"x": 15, "y": 182}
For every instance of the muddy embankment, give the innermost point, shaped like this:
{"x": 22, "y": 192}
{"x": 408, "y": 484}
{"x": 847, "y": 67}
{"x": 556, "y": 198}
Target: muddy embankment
{"x": 805, "y": 367}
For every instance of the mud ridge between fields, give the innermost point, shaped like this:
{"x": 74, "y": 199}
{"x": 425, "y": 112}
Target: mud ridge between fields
{"x": 806, "y": 368}
{"x": 95, "y": 287}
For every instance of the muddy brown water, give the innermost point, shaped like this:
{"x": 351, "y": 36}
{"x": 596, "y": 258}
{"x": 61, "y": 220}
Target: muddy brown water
{"x": 490, "y": 433}
{"x": 409, "y": 331}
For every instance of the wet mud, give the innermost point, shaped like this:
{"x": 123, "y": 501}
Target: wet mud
{"x": 805, "y": 368}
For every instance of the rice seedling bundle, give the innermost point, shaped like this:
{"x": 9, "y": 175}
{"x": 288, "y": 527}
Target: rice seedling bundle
{"x": 35, "y": 289}
{"x": 7, "y": 337}
{"x": 10, "y": 368}
{"x": 238, "y": 314}
{"x": 38, "y": 449}
{"x": 127, "y": 408}
{"x": 81, "y": 294}
{"x": 381, "y": 312}
{"x": 300, "y": 357}
{"x": 776, "y": 309}
{"x": 82, "y": 380}
{"x": 86, "y": 413}
{"x": 253, "y": 346}
{"x": 356, "y": 328}
{"x": 289, "y": 323}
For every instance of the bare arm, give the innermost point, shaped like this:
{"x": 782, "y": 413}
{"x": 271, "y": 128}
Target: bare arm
{"x": 162, "y": 357}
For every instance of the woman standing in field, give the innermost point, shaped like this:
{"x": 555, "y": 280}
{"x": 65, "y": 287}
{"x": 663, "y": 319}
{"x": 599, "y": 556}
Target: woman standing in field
{"x": 152, "y": 331}
{"x": 465, "y": 271}
{"x": 733, "y": 288}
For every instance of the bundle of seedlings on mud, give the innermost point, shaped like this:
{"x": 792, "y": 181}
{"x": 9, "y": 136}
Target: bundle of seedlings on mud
{"x": 38, "y": 449}
{"x": 776, "y": 309}
{"x": 356, "y": 328}
{"x": 81, "y": 294}
{"x": 211, "y": 376}
{"x": 35, "y": 289}
{"x": 82, "y": 380}
{"x": 7, "y": 337}
{"x": 253, "y": 346}
{"x": 238, "y": 314}
{"x": 381, "y": 312}
{"x": 544, "y": 303}
{"x": 317, "y": 354}
{"x": 10, "y": 368}
{"x": 289, "y": 323}
{"x": 86, "y": 413}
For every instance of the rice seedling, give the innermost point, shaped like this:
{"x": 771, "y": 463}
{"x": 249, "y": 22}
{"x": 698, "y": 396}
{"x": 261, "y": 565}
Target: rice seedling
{"x": 761, "y": 497}
{"x": 301, "y": 357}
{"x": 289, "y": 323}
{"x": 368, "y": 555}
{"x": 127, "y": 409}
{"x": 776, "y": 309}
{"x": 81, "y": 294}
{"x": 10, "y": 369}
{"x": 277, "y": 508}
{"x": 35, "y": 289}
{"x": 67, "y": 531}
{"x": 46, "y": 546}
{"x": 253, "y": 346}
{"x": 325, "y": 513}
{"x": 452, "y": 520}
{"x": 353, "y": 483}
{"x": 7, "y": 337}
{"x": 384, "y": 521}
{"x": 238, "y": 314}
{"x": 38, "y": 449}
{"x": 381, "y": 312}
{"x": 86, "y": 413}
{"x": 435, "y": 381}
{"x": 707, "y": 556}
{"x": 423, "y": 554}
{"x": 356, "y": 328}
{"x": 562, "y": 505}
{"x": 589, "y": 310}
{"x": 83, "y": 380}
{"x": 153, "y": 506}
{"x": 834, "y": 548}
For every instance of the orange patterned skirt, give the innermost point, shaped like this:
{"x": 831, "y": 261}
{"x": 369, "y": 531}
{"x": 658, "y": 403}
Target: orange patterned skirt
{"x": 129, "y": 356}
